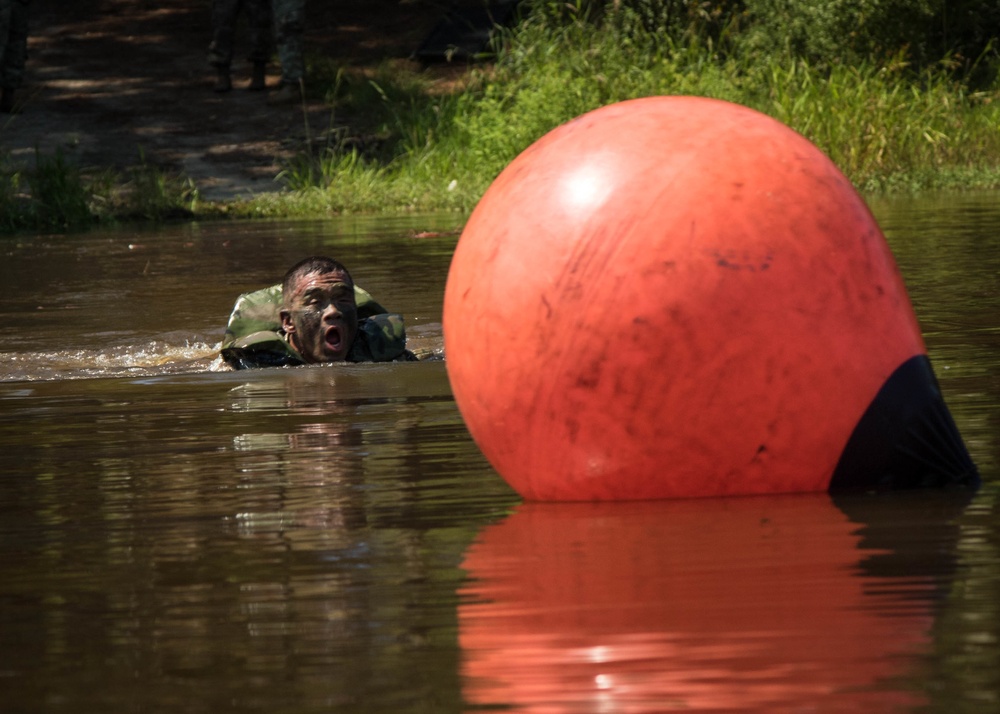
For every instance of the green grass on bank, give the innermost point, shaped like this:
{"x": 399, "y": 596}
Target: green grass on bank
{"x": 54, "y": 195}
{"x": 412, "y": 146}
{"x": 886, "y": 125}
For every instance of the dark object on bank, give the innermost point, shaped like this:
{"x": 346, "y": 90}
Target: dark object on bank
{"x": 464, "y": 33}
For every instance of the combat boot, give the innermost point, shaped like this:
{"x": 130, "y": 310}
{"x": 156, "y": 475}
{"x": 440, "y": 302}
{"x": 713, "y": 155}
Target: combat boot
{"x": 223, "y": 82}
{"x": 257, "y": 77}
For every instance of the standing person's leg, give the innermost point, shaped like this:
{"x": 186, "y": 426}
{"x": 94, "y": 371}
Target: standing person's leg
{"x": 259, "y": 20}
{"x": 13, "y": 49}
{"x": 220, "y": 51}
{"x": 289, "y": 28}
{"x": 5, "y": 12}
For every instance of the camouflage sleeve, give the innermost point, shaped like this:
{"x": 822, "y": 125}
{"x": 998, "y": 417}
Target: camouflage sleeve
{"x": 253, "y": 313}
{"x": 381, "y": 338}
{"x": 260, "y": 349}
{"x": 367, "y": 305}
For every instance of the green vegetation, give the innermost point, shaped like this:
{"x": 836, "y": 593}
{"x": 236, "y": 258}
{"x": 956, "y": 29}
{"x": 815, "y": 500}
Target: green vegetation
{"x": 49, "y": 197}
{"x": 901, "y": 94}
{"x": 54, "y": 195}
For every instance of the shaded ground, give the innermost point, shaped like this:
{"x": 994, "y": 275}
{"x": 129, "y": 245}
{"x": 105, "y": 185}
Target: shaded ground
{"x": 115, "y": 82}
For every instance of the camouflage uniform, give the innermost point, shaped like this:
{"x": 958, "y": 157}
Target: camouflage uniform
{"x": 289, "y": 27}
{"x": 13, "y": 42}
{"x": 254, "y": 337}
{"x": 224, "y": 15}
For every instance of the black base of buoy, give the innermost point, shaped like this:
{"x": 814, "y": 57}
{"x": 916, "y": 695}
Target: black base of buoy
{"x": 906, "y": 438}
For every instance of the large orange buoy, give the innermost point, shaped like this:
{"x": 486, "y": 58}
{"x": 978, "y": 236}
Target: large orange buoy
{"x": 677, "y": 297}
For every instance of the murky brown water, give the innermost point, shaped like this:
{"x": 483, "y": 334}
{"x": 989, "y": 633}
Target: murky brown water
{"x": 176, "y": 537}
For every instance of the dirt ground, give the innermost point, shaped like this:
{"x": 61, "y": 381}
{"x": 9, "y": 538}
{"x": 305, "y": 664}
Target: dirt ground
{"x": 115, "y": 82}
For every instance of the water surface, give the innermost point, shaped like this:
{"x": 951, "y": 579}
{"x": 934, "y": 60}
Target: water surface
{"x": 178, "y": 537}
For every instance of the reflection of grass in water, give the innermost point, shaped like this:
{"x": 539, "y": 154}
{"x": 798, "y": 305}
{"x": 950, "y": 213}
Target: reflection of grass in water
{"x": 55, "y": 195}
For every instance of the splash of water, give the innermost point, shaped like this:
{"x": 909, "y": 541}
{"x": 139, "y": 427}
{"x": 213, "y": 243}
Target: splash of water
{"x": 146, "y": 359}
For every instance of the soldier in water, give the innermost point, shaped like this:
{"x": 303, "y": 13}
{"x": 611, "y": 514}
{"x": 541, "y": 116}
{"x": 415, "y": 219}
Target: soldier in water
{"x": 317, "y": 314}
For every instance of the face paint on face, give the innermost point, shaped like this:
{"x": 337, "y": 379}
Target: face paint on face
{"x": 321, "y": 317}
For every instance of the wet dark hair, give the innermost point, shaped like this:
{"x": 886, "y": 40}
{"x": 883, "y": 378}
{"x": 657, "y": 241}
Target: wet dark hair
{"x": 314, "y": 265}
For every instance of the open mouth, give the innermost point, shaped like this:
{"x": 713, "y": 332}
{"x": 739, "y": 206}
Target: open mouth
{"x": 333, "y": 338}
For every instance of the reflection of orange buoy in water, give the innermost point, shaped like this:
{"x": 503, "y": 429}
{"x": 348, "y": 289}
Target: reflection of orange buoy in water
{"x": 720, "y": 604}
{"x": 677, "y": 296}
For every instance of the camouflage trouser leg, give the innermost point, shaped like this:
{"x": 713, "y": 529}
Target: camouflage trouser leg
{"x": 224, "y": 17}
{"x": 289, "y": 26}
{"x": 13, "y": 42}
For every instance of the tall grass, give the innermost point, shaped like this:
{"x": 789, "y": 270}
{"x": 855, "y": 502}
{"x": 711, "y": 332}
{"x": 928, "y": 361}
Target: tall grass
{"x": 887, "y": 130}
{"x": 404, "y": 158}
{"x": 48, "y": 197}
{"x": 55, "y": 195}
{"x": 10, "y": 201}
{"x": 882, "y": 124}
{"x": 886, "y": 126}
